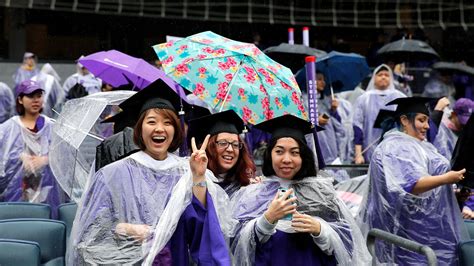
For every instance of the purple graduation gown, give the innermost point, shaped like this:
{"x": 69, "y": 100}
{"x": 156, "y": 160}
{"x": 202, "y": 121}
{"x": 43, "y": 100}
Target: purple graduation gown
{"x": 128, "y": 191}
{"x": 15, "y": 139}
{"x": 431, "y": 218}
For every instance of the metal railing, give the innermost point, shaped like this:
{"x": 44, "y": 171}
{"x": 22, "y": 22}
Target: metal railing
{"x": 399, "y": 241}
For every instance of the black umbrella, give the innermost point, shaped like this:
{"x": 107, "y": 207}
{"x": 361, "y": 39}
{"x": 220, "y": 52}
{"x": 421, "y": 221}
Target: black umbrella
{"x": 292, "y": 55}
{"x": 406, "y": 50}
{"x": 453, "y": 68}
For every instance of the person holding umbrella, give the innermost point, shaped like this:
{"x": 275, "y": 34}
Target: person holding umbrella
{"x": 25, "y": 174}
{"x": 229, "y": 157}
{"x": 380, "y": 91}
{"x": 153, "y": 207}
{"x": 411, "y": 191}
{"x": 293, "y": 217}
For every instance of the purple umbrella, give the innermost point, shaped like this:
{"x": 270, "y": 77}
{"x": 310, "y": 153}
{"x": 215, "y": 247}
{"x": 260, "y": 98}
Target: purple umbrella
{"x": 117, "y": 68}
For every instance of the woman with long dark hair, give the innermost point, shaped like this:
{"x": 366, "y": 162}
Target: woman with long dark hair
{"x": 293, "y": 216}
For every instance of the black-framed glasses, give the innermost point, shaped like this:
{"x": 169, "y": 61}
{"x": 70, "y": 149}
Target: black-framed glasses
{"x": 223, "y": 144}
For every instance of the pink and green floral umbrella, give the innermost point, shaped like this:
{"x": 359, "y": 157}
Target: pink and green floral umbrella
{"x": 227, "y": 74}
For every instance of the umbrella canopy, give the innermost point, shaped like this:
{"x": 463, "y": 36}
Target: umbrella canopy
{"x": 453, "y": 67}
{"x": 117, "y": 68}
{"x": 76, "y": 133}
{"x": 342, "y": 71}
{"x": 406, "y": 50}
{"x": 292, "y": 55}
{"x": 227, "y": 74}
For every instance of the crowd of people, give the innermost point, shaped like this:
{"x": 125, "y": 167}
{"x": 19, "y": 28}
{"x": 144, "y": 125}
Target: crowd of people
{"x": 215, "y": 205}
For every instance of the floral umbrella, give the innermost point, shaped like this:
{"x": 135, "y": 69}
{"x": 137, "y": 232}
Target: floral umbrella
{"x": 227, "y": 74}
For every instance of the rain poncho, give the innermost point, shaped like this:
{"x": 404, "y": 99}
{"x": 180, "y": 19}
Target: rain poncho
{"x": 366, "y": 110}
{"x": 431, "y": 218}
{"x": 20, "y": 178}
{"x": 435, "y": 88}
{"x": 90, "y": 83}
{"x": 342, "y": 240}
{"x": 53, "y": 92}
{"x": 346, "y": 145}
{"x": 7, "y": 102}
{"x": 23, "y": 74}
{"x": 142, "y": 191}
{"x": 446, "y": 139}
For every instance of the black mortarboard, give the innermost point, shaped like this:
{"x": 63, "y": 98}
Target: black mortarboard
{"x": 195, "y": 112}
{"x": 287, "y": 126}
{"x": 383, "y": 116}
{"x": 121, "y": 120}
{"x": 156, "y": 95}
{"x": 227, "y": 121}
{"x": 411, "y": 105}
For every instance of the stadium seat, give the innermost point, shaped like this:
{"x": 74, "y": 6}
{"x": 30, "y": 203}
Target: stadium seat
{"x": 66, "y": 213}
{"x": 466, "y": 253}
{"x": 49, "y": 234}
{"x": 19, "y": 252}
{"x": 470, "y": 227}
{"x": 14, "y": 210}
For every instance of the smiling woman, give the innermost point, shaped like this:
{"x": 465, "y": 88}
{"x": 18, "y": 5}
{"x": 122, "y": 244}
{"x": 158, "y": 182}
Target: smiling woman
{"x": 153, "y": 207}
{"x": 305, "y": 225}
{"x": 229, "y": 158}
{"x": 25, "y": 174}
{"x": 410, "y": 186}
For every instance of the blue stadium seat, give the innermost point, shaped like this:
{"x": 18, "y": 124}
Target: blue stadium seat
{"x": 66, "y": 213}
{"x": 470, "y": 227}
{"x": 19, "y": 252}
{"x": 14, "y": 210}
{"x": 466, "y": 253}
{"x": 49, "y": 234}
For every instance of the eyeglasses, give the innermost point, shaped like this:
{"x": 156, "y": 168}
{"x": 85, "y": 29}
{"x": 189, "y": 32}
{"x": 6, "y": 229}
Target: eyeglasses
{"x": 223, "y": 144}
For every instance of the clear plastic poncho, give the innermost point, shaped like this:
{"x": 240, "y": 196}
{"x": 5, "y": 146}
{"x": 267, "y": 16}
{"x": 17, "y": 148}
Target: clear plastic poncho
{"x": 139, "y": 190}
{"x": 432, "y": 218}
{"x": 446, "y": 139}
{"x": 7, "y": 102}
{"x": 89, "y": 81}
{"x": 317, "y": 198}
{"x": 367, "y": 108}
{"x": 25, "y": 174}
{"x": 53, "y": 92}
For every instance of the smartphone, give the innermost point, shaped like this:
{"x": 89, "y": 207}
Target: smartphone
{"x": 325, "y": 116}
{"x": 281, "y": 191}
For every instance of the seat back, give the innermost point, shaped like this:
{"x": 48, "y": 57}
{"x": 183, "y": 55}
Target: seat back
{"x": 66, "y": 213}
{"x": 19, "y": 252}
{"x": 466, "y": 253}
{"x": 470, "y": 228}
{"x": 49, "y": 234}
{"x": 14, "y": 210}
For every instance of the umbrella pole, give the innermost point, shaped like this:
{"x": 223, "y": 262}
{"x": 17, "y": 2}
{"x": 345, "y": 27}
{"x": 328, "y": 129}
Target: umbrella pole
{"x": 230, "y": 86}
{"x": 313, "y": 106}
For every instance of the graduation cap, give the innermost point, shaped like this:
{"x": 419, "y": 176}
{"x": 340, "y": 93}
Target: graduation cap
{"x": 411, "y": 105}
{"x": 227, "y": 121}
{"x": 156, "y": 95}
{"x": 287, "y": 126}
{"x": 121, "y": 120}
{"x": 382, "y": 117}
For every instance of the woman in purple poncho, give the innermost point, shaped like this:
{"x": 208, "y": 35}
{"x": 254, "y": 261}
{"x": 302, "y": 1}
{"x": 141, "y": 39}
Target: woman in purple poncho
{"x": 24, "y": 140}
{"x": 410, "y": 190}
{"x": 152, "y": 207}
{"x": 307, "y": 224}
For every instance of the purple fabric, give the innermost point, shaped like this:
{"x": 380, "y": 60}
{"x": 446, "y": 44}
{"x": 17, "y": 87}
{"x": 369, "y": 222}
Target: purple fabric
{"x": 11, "y": 179}
{"x": 291, "y": 249}
{"x": 128, "y": 192}
{"x": 358, "y": 136}
{"x": 470, "y": 202}
{"x": 431, "y": 218}
{"x": 366, "y": 110}
{"x": 22, "y": 75}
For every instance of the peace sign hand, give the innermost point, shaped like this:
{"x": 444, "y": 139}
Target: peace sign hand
{"x": 198, "y": 160}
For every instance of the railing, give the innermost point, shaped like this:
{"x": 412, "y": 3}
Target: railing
{"x": 399, "y": 241}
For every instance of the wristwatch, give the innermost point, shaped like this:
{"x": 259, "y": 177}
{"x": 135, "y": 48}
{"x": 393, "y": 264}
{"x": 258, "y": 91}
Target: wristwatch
{"x": 200, "y": 184}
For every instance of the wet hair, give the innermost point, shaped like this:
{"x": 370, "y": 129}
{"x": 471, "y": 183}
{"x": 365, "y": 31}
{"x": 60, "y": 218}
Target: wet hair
{"x": 308, "y": 167}
{"x": 243, "y": 170}
{"x": 20, "y": 109}
{"x": 178, "y": 133}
